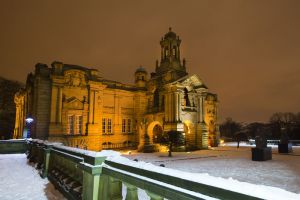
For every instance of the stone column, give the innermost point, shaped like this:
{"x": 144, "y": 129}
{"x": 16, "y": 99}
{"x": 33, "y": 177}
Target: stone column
{"x": 91, "y": 106}
{"x": 92, "y": 185}
{"x": 200, "y": 111}
{"x": 167, "y": 107}
{"x": 110, "y": 188}
{"x": 47, "y": 150}
{"x": 132, "y": 193}
{"x": 59, "y": 105}
{"x": 154, "y": 196}
{"x": 176, "y": 106}
{"x": 179, "y": 106}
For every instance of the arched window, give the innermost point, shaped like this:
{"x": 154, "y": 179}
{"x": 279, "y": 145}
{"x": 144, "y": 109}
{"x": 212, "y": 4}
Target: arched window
{"x": 174, "y": 51}
{"x": 166, "y": 52}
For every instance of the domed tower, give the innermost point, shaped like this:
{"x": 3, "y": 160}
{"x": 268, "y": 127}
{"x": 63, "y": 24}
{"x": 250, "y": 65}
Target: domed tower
{"x": 140, "y": 77}
{"x": 170, "y": 56}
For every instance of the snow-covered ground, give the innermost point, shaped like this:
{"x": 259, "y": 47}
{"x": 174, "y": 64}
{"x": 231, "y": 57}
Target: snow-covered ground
{"x": 229, "y": 162}
{"x": 21, "y": 181}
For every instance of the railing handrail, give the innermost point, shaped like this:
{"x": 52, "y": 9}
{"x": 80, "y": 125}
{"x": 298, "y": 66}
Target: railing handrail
{"x": 166, "y": 190}
{"x": 201, "y": 188}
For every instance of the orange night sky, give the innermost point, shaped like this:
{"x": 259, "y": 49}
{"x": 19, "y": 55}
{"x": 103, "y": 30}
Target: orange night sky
{"x": 248, "y": 52}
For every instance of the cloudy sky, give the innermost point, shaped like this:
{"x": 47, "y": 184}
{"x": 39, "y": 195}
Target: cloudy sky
{"x": 248, "y": 52}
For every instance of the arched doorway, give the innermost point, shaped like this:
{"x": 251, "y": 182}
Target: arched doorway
{"x": 155, "y": 132}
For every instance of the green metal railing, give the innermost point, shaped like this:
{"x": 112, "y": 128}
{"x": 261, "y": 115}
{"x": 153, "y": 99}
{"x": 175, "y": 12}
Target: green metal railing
{"x": 13, "y": 146}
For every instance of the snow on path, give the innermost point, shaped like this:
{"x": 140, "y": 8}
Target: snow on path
{"x": 283, "y": 171}
{"x": 21, "y": 181}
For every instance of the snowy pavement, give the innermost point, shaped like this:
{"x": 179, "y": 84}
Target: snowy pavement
{"x": 20, "y": 181}
{"x": 283, "y": 171}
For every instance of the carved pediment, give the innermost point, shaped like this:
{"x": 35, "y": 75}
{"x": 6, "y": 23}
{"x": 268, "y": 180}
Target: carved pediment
{"x": 193, "y": 80}
{"x": 73, "y": 104}
{"x": 75, "y": 78}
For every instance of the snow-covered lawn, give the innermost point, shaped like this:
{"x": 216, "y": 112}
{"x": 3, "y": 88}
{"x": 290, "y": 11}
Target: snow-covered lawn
{"x": 283, "y": 171}
{"x": 20, "y": 181}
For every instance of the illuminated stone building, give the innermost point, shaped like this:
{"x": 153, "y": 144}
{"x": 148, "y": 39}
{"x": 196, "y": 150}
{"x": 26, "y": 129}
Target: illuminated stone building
{"x": 76, "y": 106}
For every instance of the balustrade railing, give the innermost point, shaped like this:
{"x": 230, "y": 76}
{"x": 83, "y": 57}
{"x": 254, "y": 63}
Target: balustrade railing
{"x": 82, "y": 174}
{"x": 13, "y": 146}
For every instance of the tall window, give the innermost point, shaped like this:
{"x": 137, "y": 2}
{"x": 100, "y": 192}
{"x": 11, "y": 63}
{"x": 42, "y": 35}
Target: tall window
{"x": 108, "y": 125}
{"x": 74, "y": 125}
{"x": 186, "y": 98}
{"x": 70, "y": 124}
{"x": 129, "y": 126}
{"x": 126, "y": 126}
{"x": 174, "y": 51}
{"x": 79, "y": 124}
{"x": 123, "y": 125}
{"x": 103, "y": 125}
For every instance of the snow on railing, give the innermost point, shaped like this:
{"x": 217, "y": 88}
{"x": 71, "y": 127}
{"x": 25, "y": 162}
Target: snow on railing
{"x": 199, "y": 183}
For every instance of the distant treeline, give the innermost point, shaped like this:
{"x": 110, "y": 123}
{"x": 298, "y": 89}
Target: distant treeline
{"x": 8, "y": 89}
{"x": 279, "y": 123}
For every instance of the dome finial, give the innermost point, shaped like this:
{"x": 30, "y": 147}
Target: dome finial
{"x": 170, "y": 29}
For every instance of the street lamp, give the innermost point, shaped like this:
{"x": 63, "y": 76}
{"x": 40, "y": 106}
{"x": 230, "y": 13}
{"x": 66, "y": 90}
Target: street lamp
{"x": 29, "y": 120}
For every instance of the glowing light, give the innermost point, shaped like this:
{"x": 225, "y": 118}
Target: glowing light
{"x": 162, "y": 148}
{"x": 29, "y": 120}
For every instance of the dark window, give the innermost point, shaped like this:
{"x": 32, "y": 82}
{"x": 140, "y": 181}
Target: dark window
{"x": 186, "y": 98}
{"x": 156, "y": 98}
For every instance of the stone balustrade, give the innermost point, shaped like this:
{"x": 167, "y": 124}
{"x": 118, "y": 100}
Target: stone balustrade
{"x": 81, "y": 174}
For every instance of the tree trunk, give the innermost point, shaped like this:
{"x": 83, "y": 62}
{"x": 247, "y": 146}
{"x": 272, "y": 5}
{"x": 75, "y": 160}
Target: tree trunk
{"x": 170, "y": 150}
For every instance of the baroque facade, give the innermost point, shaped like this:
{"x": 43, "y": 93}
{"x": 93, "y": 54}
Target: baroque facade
{"x": 76, "y": 106}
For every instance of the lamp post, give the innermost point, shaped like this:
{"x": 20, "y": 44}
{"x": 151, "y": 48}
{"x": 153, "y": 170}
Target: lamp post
{"x": 29, "y": 120}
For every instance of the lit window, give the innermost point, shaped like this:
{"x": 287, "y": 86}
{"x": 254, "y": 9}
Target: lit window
{"x": 103, "y": 126}
{"x": 70, "y": 124}
{"x": 123, "y": 125}
{"x": 79, "y": 124}
{"x": 129, "y": 126}
{"x": 109, "y": 125}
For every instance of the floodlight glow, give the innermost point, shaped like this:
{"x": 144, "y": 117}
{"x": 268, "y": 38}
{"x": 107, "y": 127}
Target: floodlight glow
{"x": 29, "y": 120}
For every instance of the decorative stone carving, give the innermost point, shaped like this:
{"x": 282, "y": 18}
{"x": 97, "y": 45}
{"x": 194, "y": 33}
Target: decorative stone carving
{"x": 73, "y": 104}
{"x": 75, "y": 78}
